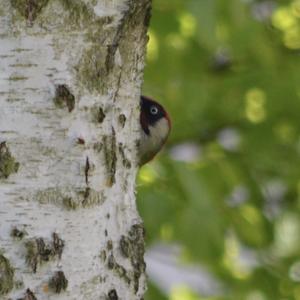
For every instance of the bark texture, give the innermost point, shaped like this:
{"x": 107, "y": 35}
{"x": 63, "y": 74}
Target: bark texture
{"x": 71, "y": 72}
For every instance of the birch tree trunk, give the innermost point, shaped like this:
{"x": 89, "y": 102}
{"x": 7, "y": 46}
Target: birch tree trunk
{"x": 70, "y": 78}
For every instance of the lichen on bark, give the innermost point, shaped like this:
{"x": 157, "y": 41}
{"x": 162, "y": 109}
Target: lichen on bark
{"x": 133, "y": 247}
{"x": 29, "y": 295}
{"x": 78, "y": 11}
{"x": 29, "y": 9}
{"x": 84, "y": 197}
{"x": 110, "y": 157}
{"x": 91, "y": 70}
{"x": 8, "y": 164}
{"x": 6, "y": 275}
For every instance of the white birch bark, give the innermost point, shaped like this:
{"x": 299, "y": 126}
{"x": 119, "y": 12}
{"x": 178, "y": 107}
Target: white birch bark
{"x": 70, "y": 78}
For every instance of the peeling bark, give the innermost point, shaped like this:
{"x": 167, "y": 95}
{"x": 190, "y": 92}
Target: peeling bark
{"x": 70, "y": 80}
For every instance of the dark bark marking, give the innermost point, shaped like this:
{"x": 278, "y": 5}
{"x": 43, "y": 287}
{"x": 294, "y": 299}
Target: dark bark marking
{"x": 17, "y": 233}
{"x": 112, "y": 295}
{"x": 110, "y": 157}
{"x": 86, "y": 170}
{"x": 58, "y": 282}
{"x": 122, "y": 120}
{"x": 29, "y": 295}
{"x": 38, "y": 251}
{"x": 98, "y": 114}
{"x": 57, "y": 245}
{"x": 125, "y": 161}
{"x": 80, "y": 141}
{"x": 63, "y": 97}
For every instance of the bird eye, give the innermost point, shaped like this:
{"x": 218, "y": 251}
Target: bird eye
{"x": 153, "y": 110}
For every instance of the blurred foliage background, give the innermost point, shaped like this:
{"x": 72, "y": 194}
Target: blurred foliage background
{"x": 228, "y": 181}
